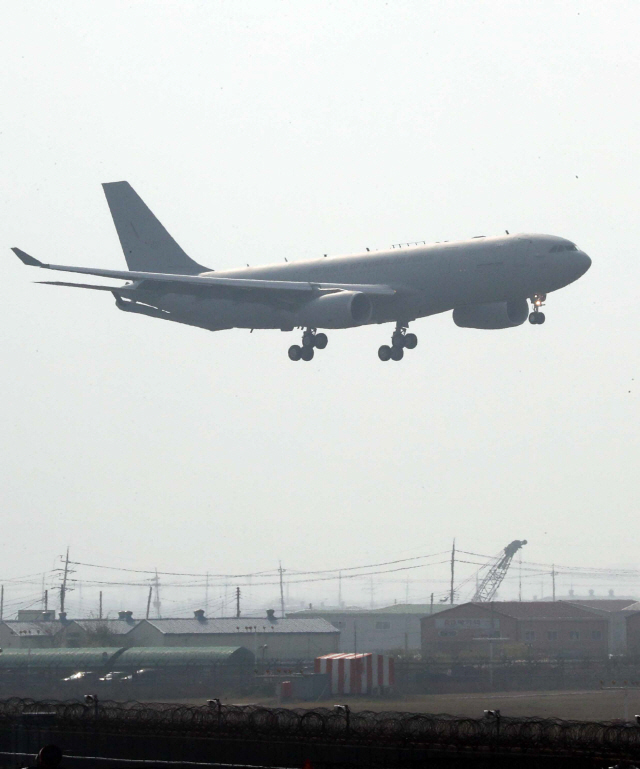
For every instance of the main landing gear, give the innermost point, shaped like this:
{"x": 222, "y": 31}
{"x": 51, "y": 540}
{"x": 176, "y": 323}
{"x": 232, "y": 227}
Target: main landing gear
{"x": 537, "y": 318}
{"x": 310, "y": 339}
{"x": 400, "y": 341}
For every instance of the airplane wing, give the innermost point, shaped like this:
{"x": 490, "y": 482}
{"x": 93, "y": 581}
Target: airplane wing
{"x": 197, "y": 283}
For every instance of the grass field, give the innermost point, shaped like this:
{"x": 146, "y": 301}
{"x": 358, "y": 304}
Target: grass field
{"x": 591, "y": 705}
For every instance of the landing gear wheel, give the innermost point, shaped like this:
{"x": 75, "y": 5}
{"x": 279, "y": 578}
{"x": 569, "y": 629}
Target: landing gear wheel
{"x": 410, "y": 341}
{"x": 384, "y": 353}
{"x": 541, "y": 318}
{"x": 295, "y": 352}
{"x": 397, "y": 341}
{"x": 397, "y": 353}
{"x": 533, "y": 318}
{"x": 308, "y": 339}
{"x": 321, "y": 341}
{"x": 306, "y": 353}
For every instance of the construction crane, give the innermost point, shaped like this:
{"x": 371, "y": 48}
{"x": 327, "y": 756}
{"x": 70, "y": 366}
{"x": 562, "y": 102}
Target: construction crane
{"x": 492, "y": 580}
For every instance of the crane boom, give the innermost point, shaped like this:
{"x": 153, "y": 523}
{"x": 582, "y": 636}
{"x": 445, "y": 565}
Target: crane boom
{"x": 497, "y": 572}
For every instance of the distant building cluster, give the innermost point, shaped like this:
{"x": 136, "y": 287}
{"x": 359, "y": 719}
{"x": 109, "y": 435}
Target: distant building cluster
{"x": 572, "y": 628}
{"x": 268, "y": 637}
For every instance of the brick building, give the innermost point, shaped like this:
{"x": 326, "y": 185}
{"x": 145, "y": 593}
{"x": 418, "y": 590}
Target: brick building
{"x": 552, "y": 628}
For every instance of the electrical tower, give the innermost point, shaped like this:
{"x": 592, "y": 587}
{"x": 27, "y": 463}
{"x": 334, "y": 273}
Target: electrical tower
{"x": 492, "y": 580}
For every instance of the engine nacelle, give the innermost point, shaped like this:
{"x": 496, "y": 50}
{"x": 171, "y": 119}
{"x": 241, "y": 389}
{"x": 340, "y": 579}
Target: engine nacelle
{"x": 492, "y": 315}
{"x": 342, "y": 309}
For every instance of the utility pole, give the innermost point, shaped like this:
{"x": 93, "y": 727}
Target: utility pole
{"x": 281, "y": 570}
{"x": 156, "y": 603}
{"x": 206, "y": 593}
{"x": 149, "y": 600}
{"x": 238, "y": 602}
{"x": 63, "y": 587}
{"x": 431, "y": 611}
{"x": 339, "y": 589}
{"x": 1, "y": 601}
{"x": 453, "y": 570}
{"x": 520, "y": 578}
{"x": 100, "y": 606}
{"x": 46, "y": 600}
{"x": 553, "y": 581}
{"x": 355, "y": 636}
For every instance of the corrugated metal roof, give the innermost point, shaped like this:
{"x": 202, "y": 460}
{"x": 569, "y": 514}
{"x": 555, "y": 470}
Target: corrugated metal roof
{"x": 20, "y": 627}
{"x": 248, "y": 625}
{"x": 113, "y": 626}
{"x": 78, "y": 659}
{"x": 605, "y": 604}
{"x": 526, "y": 610}
{"x": 163, "y": 656}
{"x": 422, "y": 609}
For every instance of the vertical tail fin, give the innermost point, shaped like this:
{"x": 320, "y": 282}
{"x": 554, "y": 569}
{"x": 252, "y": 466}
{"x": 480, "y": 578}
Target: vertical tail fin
{"x": 147, "y": 246}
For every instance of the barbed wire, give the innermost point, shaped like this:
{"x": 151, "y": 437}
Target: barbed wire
{"x": 612, "y": 738}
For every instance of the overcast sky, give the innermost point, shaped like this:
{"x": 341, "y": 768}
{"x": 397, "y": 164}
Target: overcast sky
{"x": 263, "y": 130}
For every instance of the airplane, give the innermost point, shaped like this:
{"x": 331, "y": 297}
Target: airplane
{"x": 486, "y": 281}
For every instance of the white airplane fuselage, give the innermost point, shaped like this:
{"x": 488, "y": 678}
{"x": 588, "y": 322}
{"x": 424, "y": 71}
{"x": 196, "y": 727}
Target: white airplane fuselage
{"x": 427, "y": 279}
{"x": 487, "y": 282}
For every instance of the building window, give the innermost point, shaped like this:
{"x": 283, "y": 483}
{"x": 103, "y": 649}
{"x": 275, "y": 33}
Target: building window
{"x": 529, "y": 635}
{"x": 383, "y": 625}
{"x": 552, "y": 635}
{"x": 574, "y": 635}
{"x": 596, "y": 635}
{"x": 446, "y": 633}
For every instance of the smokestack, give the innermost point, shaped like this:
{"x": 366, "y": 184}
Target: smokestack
{"x": 271, "y": 615}
{"x": 199, "y": 615}
{"x": 128, "y": 615}
{"x": 63, "y": 616}
{"x": 122, "y": 615}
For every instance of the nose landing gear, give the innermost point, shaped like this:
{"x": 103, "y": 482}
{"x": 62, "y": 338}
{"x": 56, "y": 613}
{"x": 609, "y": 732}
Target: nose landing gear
{"x": 400, "y": 341}
{"x": 310, "y": 339}
{"x": 537, "y": 318}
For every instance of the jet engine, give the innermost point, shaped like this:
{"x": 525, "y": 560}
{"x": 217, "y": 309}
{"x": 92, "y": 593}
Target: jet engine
{"x": 341, "y": 309}
{"x": 492, "y": 315}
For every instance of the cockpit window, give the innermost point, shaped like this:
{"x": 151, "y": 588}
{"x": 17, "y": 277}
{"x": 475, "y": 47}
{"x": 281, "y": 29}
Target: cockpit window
{"x": 563, "y": 247}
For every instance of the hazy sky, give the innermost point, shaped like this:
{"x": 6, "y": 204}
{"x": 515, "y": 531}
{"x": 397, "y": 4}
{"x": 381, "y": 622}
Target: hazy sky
{"x": 263, "y": 130}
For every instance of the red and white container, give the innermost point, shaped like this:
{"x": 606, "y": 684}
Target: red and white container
{"x": 357, "y": 673}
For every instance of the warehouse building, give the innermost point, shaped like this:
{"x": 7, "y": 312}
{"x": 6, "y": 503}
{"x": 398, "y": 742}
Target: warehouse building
{"x": 105, "y": 632}
{"x": 391, "y": 629}
{"x": 269, "y": 638}
{"x": 633, "y": 629}
{"x": 551, "y": 628}
{"x": 615, "y": 611}
{"x": 46, "y": 634}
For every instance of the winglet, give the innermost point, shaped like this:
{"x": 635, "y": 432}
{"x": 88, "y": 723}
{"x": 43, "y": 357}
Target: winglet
{"x": 30, "y": 260}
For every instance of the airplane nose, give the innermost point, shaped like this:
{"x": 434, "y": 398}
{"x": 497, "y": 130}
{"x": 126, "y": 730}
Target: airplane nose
{"x": 584, "y": 262}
